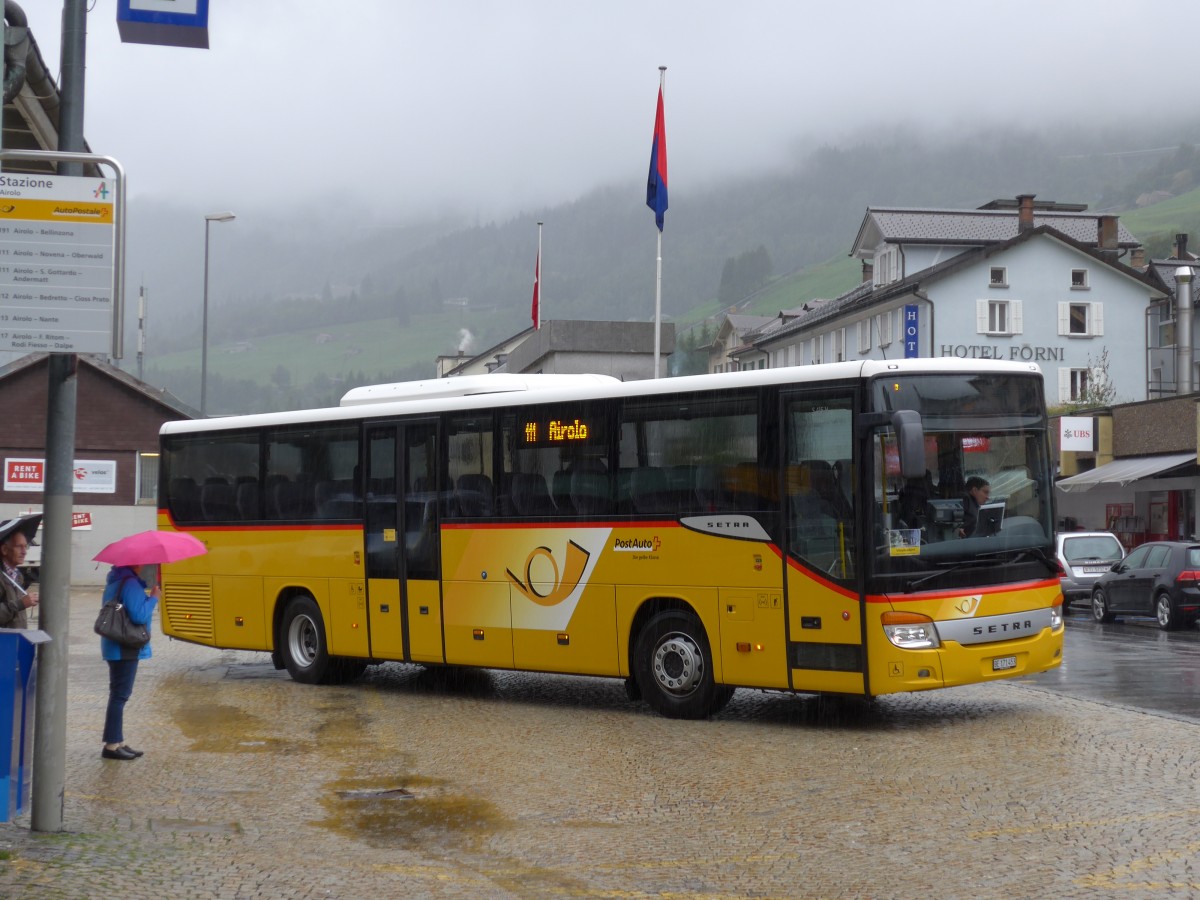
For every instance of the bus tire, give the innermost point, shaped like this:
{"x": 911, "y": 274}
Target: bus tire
{"x": 302, "y": 640}
{"x": 675, "y": 668}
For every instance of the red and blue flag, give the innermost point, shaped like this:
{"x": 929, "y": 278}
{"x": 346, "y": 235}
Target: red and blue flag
{"x": 656, "y": 184}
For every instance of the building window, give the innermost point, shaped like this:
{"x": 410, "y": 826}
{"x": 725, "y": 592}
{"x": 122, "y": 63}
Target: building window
{"x": 1074, "y": 384}
{"x": 998, "y": 277}
{"x": 147, "y": 479}
{"x": 886, "y": 266}
{"x": 864, "y": 336}
{"x": 885, "y": 326}
{"x": 1079, "y": 279}
{"x": 839, "y": 345}
{"x": 814, "y": 350}
{"x": 1080, "y": 319}
{"x": 998, "y": 316}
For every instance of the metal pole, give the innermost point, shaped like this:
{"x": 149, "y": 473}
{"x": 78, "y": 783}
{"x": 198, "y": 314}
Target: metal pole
{"x": 662, "y": 83}
{"x": 50, "y": 732}
{"x": 204, "y": 330}
{"x": 141, "y": 346}
{"x": 208, "y": 220}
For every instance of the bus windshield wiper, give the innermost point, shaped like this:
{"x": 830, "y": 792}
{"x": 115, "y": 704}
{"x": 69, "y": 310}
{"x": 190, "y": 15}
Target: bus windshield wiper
{"x": 1019, "y": 553}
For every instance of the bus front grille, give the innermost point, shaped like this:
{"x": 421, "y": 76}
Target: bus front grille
{"x": 188, "y": 608}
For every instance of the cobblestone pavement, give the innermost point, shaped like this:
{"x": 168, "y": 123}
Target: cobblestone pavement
{"x": 428, "y": 783}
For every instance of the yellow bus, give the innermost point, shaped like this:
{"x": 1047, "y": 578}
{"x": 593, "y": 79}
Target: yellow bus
{"x": 793, "y": 529}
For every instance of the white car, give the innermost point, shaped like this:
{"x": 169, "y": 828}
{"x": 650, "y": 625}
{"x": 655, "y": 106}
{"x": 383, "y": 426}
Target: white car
{"x": 1084, "y": 557}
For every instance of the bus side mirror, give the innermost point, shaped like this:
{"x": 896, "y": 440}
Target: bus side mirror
{"x": 910, "y": 442}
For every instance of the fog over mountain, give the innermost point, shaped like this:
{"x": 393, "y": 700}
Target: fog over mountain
{"x": 397, "y": 154}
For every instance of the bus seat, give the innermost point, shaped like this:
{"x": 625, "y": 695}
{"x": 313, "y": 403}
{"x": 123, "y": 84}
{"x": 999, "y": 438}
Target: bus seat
{"x": 561, "y": 489}
{"x": 590, "y": 493}
{"x": 185, "y": 499}
{"x": 648, "y": 489}
{"x": 530, "y": 497}
{"x": 475, "y": 496}
{"x": 217, "y": 500}
{"x": 247, "y": 500}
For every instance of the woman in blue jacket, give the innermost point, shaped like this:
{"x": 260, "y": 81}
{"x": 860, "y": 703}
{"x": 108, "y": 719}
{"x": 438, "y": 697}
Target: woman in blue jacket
{"x": 125, "y": 583}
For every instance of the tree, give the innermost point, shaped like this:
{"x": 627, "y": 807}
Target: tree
{"x": 1097, "y": 388}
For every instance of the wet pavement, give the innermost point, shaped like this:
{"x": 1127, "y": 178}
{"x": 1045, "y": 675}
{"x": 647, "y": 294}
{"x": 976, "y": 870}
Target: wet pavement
{"x": 1129, "y": 662}
{"x": 435, "y": 783}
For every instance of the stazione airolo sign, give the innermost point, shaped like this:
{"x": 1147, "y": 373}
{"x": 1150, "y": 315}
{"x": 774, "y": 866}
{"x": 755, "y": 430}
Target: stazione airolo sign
{"x": 56, "y": 263}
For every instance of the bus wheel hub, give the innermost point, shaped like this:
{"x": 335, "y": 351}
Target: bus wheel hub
{"x": 678, "y": 664}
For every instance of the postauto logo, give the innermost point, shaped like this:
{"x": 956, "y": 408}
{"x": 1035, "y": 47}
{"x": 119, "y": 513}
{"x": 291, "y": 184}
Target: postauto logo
{"x": 637, "y": 545}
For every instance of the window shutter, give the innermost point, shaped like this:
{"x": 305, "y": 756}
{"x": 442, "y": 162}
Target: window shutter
{"x": 1016, "y": 326}
{"x": 1097, "y": 319}
{"x": 1064, "y": 318}
{"x": 1064, "y": 385}
{"x": 981, "y": 316}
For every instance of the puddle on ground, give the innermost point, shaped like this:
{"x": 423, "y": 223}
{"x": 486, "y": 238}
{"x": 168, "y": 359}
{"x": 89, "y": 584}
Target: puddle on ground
{"x": 407, "y": 811}
{"x": 221, "y": 728}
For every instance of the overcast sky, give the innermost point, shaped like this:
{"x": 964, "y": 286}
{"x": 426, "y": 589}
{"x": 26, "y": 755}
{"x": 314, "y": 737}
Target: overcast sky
{"x": 500, "y": 106}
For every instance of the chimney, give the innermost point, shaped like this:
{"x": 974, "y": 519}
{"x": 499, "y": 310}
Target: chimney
{"x": 1024, "y": 212}
{"x": 1106, "y": 236}
{"x": 1180, "y": 251}
{"x": 868, "y": 272}
{"x": 1137, "y": 258}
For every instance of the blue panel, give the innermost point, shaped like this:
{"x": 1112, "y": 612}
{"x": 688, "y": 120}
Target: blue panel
{"x": 143, "y": 26}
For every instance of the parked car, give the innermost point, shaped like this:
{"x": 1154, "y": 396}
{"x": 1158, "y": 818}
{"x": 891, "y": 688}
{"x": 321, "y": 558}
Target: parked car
{"x": 1084, "y": 557}
{"x": 1160, "y": 579}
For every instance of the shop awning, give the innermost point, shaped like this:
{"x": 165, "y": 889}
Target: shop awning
{"x": 1124, "y": 471}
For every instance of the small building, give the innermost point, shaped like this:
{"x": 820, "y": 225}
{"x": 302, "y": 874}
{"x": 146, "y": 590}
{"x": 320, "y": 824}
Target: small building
{"x": 116, "y": 451}
{"x": 1141, "y": 476}
{"x": 624, "y": 350}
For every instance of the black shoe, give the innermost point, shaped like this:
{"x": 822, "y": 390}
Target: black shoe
{"x": 119, "y": 753}
{"x": 131, "y": 750}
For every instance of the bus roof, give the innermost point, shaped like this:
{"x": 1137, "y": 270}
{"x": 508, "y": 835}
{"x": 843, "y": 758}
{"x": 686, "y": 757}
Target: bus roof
{"x": 467, "y": 386}
{"x": 409, "y": 398}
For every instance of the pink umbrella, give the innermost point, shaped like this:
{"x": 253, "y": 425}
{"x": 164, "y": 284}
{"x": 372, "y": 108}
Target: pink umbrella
{"x": 151, "y": 547}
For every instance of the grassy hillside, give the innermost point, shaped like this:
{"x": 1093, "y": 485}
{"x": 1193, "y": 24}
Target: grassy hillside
{"x": 1157, "y": 225}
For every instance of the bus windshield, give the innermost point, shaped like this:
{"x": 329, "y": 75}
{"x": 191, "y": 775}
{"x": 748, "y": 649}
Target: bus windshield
{"x": 982, "y": 502}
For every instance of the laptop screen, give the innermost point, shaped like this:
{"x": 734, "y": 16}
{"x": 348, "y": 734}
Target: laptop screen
{"x": 990, "y": 519}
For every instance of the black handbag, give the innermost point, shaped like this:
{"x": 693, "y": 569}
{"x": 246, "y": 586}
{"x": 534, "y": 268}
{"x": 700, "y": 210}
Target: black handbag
{"x": 114, "y": 623}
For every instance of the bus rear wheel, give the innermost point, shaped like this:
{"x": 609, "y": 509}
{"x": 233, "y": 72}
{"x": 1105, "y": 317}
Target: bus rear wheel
{"x": 675, "y": 668}
{"x": 302, "y": 639}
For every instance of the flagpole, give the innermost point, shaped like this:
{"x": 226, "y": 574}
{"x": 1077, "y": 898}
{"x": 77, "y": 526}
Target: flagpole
{"x": 662, "y": 81}
{"x": 537, "y": 326}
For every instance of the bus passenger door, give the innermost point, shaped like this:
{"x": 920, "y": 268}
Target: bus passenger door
{"x": 824, "y": 611}
{"x": 402, "y": 540}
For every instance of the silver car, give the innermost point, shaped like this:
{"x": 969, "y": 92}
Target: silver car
{"x": 1084, "y": 557}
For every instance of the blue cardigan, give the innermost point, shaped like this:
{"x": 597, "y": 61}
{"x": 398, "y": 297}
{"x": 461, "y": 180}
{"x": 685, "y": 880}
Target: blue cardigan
{"x": 124, "y": 583}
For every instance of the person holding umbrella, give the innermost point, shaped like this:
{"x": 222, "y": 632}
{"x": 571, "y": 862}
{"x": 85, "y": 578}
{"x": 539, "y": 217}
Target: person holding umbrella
{"x": 125, "y": 583}
{"x": 15, "y": 599}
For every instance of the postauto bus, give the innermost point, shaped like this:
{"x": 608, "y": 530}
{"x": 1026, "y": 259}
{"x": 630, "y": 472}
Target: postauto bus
{"x": 793, "y": 529}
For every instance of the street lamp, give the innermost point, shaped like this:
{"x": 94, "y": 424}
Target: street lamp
{"x": 208, "y": 220}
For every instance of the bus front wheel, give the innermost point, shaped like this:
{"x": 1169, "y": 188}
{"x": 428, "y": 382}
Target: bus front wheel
{"x": 302, "y": 634}
{"x": 675, "y": 669}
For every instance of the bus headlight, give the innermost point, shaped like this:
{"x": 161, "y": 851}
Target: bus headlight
{"x": 1056, "y": 617}
{"x": 910, "y": 631}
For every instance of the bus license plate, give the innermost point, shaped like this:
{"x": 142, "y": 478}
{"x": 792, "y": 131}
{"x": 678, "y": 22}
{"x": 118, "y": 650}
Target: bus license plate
{"x": 1000, "y": 663}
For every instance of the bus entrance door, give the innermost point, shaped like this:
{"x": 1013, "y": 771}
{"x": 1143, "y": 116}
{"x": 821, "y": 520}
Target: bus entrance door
{"x": 823, "y": 608}
{"x": 402, "y": 540}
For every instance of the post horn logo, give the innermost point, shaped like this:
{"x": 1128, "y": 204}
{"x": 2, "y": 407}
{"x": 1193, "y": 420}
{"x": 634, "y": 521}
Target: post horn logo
{"x": 577, "y": 559}
{"x": 968, "y": 605}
